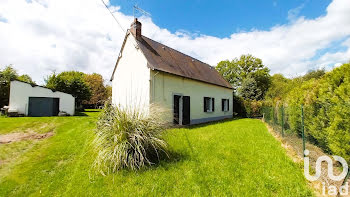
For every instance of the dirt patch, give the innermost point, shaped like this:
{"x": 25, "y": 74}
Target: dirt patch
{"x": 15, "y": 137}
{"x": 293, "y": 145}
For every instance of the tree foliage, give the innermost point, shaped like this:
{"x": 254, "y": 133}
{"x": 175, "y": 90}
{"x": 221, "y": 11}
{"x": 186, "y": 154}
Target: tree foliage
{"x": 98, "y": 90}
{"x": 250, "y": 90}
{"x": 25, "y": 78}
{"x": 245, "y": 68}
{"x": 280, "y": 86}
{"x": 108, "y": 91}
{"x": 71, "y": 82}
{"x": 7, "y": 75}
{"x": 314, "y": 74}
{"x": 230, "y": 71}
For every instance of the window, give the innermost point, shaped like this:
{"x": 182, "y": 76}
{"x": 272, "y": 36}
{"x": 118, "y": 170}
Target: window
{"x": 209, "y": 104}
{"x": 225, "y": 105}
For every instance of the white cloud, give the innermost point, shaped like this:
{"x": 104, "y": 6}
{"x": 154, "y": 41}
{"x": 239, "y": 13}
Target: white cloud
{"x": 41, "y": 36}
{"x": 293, "y": 14}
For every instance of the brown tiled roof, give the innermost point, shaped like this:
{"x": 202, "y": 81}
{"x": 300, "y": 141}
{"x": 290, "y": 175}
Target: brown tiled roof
{"x": 166, "y": 59}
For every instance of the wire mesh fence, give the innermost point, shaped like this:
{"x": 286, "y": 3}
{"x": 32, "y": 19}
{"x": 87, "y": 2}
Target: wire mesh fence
{"x": 287, "y": 124}
{"x": 294, "y": 121}
{"x": 298, "y": 126}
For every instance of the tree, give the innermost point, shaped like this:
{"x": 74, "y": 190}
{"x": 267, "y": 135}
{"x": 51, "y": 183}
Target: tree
{"x": 250, "y": 90}
{"x": 279, "y": 88}
{"x": 109, "y": 91}
{"x": 71, "y": 82}
{"x": 230, "y": 71}
{"x": 7, "y": 75}
{"x": 98, "y": 90}
{"x": 314, "y": 74}
{"x": 247, "y": 66}
{"x": 26, "y": 78}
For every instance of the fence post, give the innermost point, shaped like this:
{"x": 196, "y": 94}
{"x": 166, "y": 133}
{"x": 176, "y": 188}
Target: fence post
{"x": 282, "y": 121}
{"x": 264, "y": 117}
{"x": 302, "y": 128}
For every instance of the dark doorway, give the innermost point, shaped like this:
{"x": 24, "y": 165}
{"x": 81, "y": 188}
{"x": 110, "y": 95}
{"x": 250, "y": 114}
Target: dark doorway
{"x": 43, "y": 106}
{"x": 186, "y": 120}
{"x": 176, "y": 109}
{"x": 182, "y": 110}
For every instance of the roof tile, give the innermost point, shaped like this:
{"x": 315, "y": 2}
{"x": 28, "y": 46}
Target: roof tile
{"x": 166, "y": 59}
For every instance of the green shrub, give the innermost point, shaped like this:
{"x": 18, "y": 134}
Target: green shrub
{"x": 326, "y": 110}
{"x": 334, "y": 113}
{"x": 128, "y": 138}
{"x": 253, "y": 108}
{"x": 305, "y": 95}
{"x": 238, "y": 106}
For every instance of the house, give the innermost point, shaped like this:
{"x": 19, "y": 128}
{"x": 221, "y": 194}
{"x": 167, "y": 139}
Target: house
{"x": 148, "y": 72}
{"x": 33, "y": 100}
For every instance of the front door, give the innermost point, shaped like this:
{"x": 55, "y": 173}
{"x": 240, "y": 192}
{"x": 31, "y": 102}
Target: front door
{"x": 186, "y": 120}
{"x": 182, "y": 110}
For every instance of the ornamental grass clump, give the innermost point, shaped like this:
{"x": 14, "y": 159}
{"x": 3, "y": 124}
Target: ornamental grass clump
{"x": 128, "y": 138}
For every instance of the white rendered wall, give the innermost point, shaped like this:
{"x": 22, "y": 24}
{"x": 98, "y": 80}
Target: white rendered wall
{"x": 131, "y": 80}
{"x": 20, "y": 93}
{"x": 166, "y": 85}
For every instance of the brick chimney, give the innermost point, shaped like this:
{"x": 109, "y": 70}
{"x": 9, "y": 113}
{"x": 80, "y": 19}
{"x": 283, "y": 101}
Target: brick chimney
{"x": 135, "y": 28}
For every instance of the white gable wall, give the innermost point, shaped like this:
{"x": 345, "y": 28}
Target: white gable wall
{"x": 131, "y": 80}
{"x": 20, "y": 93}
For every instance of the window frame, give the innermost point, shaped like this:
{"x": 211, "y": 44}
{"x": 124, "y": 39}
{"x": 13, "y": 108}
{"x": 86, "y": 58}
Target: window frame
{"x": 211, "y": 102}
{"x": 225, "y": 105}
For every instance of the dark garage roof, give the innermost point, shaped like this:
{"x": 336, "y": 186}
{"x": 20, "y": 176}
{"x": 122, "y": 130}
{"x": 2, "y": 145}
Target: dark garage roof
{"x": 163, "y": 58}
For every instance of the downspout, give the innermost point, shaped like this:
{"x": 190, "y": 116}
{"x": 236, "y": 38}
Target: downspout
{"x": 153, "y": 86}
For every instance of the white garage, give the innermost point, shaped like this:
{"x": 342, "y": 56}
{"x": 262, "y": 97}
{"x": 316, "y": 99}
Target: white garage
{"x": 31, "y": 100}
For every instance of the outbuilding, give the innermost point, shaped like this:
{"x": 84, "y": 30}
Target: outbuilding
{"x": 32, "y": 100}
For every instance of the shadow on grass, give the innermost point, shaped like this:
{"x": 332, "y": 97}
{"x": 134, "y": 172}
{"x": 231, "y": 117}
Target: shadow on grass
{"x": 211, "y": 123}
{"x": 80, "y": 114}
{"x": 165, "y": 162}
{"x": 84, "y": 113}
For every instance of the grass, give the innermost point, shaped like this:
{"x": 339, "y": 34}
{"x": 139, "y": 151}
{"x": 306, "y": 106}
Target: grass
{"x": 24, "y": 124}
{"x": 237, "y": 157}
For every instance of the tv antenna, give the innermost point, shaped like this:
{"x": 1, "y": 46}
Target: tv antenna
{"x": 136, "y": 8}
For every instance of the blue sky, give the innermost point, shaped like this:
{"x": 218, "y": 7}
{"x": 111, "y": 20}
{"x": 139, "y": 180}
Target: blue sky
{"x": 222, "y": 18}
{"x": 39, "y": 37}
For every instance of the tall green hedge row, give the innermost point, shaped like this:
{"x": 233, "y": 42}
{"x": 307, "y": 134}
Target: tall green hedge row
{"x": 326, "y": 109}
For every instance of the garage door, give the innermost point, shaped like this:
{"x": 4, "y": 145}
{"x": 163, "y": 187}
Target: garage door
{"x": 43, "y": 106}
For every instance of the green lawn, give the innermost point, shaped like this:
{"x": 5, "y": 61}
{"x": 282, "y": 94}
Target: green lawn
{"x": 237, "y": 157}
